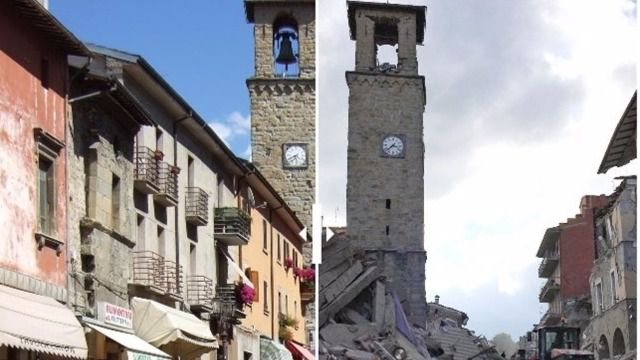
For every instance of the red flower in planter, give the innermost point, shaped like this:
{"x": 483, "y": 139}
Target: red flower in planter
{"x": 246, "y": 293}
{"x": 288, "y": 263}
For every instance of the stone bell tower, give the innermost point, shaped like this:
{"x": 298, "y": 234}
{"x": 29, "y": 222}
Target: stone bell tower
{"x": 282, "y": 94}
{"x": 385, "y": 161}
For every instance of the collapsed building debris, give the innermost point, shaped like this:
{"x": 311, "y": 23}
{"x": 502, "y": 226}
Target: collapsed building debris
{"x": 448, "y": 338}
{"x": 360, "y": 317}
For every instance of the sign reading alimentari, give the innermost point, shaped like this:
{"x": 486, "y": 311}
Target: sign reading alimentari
{"x": 115, "y": 315}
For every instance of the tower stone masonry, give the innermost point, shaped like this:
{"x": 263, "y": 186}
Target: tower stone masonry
{"x": 283, "y": 101}
{"x": 385, "y": 160}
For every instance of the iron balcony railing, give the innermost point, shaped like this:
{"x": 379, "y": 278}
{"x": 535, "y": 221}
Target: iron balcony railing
{"x": 146, "y": 170}
{"x": 226, "y": 303}
{"x": 548, "y": 291}
{"x": 152, "y": 270}
{"x": 168, "y": 184}
{"x": 232, "y": 225}
{"x": 199, "y": 291}
{"x": 197, "y": 206}
{"x": 174, "y": 286}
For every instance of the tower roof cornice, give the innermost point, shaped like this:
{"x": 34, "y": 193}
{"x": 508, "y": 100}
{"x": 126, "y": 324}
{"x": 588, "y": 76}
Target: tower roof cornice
{"x": 419, "y": 11}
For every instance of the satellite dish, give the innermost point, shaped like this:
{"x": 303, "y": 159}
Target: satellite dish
{"x": 250, "y": 197}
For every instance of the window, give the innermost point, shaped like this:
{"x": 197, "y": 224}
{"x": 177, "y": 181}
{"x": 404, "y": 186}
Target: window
{"x": 161, "y": 241}
{"x": 599, "y": 302}
{"x": 613, "y": 287}
{"x": 190, "y": 171}
{"x": 286, "y": 249}
{"x": 48, "y": 148}
{"x": 265, "y": 240}
{"x": 265, "y": 287}
{"x": 45, "y": 195}
{"x": 286, "y": 304}
{"x": 279, "y": 254}
{"x": 141, "y": 229}
{"x": 115, "y": 202}
{"x": 279, "y": 303}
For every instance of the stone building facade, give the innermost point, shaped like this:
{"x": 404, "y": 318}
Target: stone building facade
{"x": 283, "y": 102}
{"x": 100, "y": 176}
{"x": 385, "y": 160}
{"x": 612, "y": 332}
{"x": 613, "y": 327}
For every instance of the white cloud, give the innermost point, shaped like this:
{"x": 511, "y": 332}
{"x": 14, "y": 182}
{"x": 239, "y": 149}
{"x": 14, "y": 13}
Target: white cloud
{"x": 233, "y": 126}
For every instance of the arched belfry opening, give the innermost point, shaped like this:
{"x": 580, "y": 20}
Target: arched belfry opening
{"x": 286, "y": 47}
{"x": 386, "y": 41}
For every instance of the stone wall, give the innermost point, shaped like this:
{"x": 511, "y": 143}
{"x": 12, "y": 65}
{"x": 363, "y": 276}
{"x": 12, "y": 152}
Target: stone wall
{"x": 385, "y": 196}
{"x": 101, "y": 150}
{"x": 284, "y": 112}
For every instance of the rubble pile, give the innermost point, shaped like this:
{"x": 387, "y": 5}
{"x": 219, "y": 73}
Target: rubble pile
{"x": 360, "y": 318}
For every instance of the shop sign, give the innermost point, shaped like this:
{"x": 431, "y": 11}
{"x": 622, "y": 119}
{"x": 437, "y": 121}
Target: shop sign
{"x": 115, "y": 315}
{"x": 132, "y": 355}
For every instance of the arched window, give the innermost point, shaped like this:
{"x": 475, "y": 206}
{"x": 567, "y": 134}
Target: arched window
{"x": 618, "y": 343}
{"x": 286, "y": 47}
{"x": 603, "y": 348}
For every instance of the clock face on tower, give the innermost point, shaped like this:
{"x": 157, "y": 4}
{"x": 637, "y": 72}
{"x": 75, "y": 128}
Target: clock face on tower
{"x": 294, "y": 156}
{"x": 393, "y": 145}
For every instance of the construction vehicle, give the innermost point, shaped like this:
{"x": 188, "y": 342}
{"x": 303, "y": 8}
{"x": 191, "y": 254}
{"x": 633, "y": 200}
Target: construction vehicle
{"x": 561, "y": 343}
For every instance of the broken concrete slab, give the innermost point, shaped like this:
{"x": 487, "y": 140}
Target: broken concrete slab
{"x": 345, "y": 335}
{"x": 331, "y": 275}
{"x": 353, "y": 317}
{"x": 346, "y": 278}
{"x": 351, "y": 292}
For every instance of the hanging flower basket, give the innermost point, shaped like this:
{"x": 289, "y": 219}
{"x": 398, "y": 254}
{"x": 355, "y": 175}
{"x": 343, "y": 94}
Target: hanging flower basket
{"x": 158, "y": 155}
{"x": 245, "y": 294}
{"x": 175, "y": 170}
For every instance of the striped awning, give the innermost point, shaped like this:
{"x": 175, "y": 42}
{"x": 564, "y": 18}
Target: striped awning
{"x": 39, "y": 323}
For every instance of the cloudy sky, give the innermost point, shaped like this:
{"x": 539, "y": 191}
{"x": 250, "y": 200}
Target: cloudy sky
{"x": 522, "y": 98}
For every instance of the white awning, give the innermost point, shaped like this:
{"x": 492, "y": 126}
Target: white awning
{"x": 135, "y": 345}
{"x": 161, "y": 325}
{"x": 273, "y": 350}
{"x": 236, "y": 268}
{"x": 39, "y": 323}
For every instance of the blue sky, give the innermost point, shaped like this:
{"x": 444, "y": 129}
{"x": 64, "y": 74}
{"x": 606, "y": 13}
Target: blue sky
{"x": 204, "y": 49}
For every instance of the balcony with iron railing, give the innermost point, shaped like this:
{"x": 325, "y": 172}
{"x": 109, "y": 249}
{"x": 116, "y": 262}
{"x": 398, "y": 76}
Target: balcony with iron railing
{"x": 200, "y": 293}
{"x": 548, "y": 263}
{"x": 197, "y": 206}
{"x": 232, "y": 226}
{"x": 549, "y": 290}
{"x": 226, "y": 303}
{"x": 174, "y": 285}
{"x": 167, "y": 184}
{"x": 153, "y": 272}
{"x": 146, "y": 170}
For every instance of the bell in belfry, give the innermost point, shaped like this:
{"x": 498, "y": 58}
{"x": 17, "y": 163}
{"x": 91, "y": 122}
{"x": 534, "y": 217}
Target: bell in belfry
{"x": 285, "y": 53}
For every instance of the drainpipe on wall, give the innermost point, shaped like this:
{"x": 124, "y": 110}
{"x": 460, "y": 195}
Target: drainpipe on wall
{"x": 69, "y": 253}
{"x": 273, "y": 304}
{"x": 67, "y": 123}
{"x": 176, "y": 212}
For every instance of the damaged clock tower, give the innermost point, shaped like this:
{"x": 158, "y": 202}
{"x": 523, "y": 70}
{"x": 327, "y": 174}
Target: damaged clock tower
{"x": 385, "y": 161}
